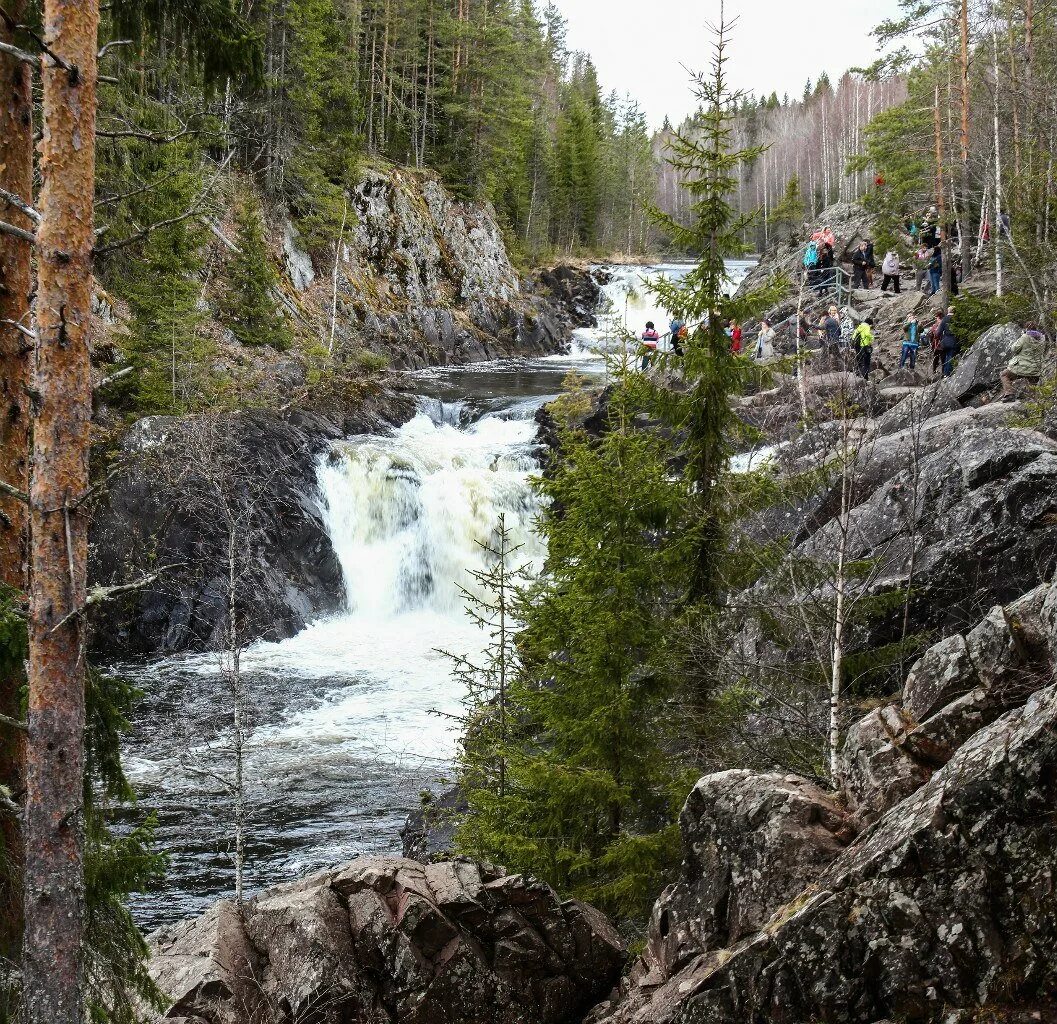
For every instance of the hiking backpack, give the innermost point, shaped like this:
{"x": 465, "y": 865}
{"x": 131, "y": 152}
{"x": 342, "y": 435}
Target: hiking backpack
{"x": 811, "y": 256}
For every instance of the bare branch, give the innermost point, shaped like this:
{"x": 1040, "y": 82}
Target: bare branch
{"x": 19, "y": 204}
{"x": 111, "y": 45}
{"x": 14, "y": 51}
{"x": 107, "y": 381}
{"x": 21, "y": 328}
{"x": 99, "y": 595}
{"x": 13, "y": 723}
{"x": 10, "y": 229}
{"x": 13, "y": 492}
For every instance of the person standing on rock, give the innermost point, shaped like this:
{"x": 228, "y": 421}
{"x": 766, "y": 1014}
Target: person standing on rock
{"x": 826, "y": 272}
{"x": 862, "y": 341}
{"x": 1028, "y": 352}
{"x": 858, "y": 266}
{"x": 911, "y": 342}
{"x": 934, "y": 341}
{"x": 735, "y": 335}
{"x": 650, "y": 340}
{"x": 764, "y": 351}
{"x": 890, "y": 272}
{"x": 832, "y": 327}
{"x": 949, "y": 344}
{"x": 921, "y": 267}
{"x": 677, "y": 334}
{"x": 935, "y": 269}
{"x": 871, "y": 263}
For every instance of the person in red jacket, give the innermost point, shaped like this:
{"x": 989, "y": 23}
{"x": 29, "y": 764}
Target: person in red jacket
{"x": 734, "y": 333}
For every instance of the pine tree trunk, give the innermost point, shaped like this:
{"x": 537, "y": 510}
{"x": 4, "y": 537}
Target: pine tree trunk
{"x": 16, "y": 283}
{"x": 54, "y": 817}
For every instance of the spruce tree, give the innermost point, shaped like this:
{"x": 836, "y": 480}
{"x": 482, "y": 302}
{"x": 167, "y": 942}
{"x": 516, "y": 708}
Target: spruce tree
{"x": 248, "y": 306}
{"x": 492, "y": 605}
{"x": 701, "y": 412}
{"x": 592, "y": 790}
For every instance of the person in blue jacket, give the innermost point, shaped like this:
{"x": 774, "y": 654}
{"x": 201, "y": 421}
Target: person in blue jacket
{"x": 911, "y": 342}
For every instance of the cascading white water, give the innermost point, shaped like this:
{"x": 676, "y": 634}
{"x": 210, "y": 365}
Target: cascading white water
{"x": 628, "y": 303}
{"x": 344, "y": 735}
{"x": 408, "y": 515}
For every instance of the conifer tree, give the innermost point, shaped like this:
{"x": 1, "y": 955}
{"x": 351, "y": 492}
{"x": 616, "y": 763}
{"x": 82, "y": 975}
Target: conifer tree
{"x": 591, "y": 790}
{"x": 492, "y": 605}
{"x": 248, "y": 306}
{"x": 708, "y": 161}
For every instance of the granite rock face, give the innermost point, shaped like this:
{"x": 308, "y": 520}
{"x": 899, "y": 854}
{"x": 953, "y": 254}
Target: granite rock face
{"x": 425, "y": 280}
{"x": 921, "y": 891}
{"x": 391, "y": 940}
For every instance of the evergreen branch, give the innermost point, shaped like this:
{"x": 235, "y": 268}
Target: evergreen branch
{"x": 193, "y": 211}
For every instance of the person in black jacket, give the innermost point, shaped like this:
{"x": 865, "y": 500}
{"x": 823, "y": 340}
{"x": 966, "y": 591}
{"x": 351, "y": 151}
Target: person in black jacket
{"x": 859, "y": 263}
{"x": 871, "y": 262}
{"x": 825, "y": 264}
{"x": 949, "y": 343}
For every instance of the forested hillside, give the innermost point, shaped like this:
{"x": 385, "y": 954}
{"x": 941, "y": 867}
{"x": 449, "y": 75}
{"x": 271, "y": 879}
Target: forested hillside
{"x": 809, "y": 153}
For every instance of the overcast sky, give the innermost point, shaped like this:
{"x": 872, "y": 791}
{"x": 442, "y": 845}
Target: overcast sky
{"x": 639, "y": 46}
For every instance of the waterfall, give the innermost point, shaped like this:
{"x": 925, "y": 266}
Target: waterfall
{"x": 408, "y": 514}
{"x": 627, "y": 303}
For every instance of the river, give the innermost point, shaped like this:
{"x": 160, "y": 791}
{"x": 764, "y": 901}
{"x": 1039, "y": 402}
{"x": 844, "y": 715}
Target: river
{"x": 348, "y": 720}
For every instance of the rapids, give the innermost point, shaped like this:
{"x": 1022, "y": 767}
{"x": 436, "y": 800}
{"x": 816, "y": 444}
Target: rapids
{"x": 348, "y": 718}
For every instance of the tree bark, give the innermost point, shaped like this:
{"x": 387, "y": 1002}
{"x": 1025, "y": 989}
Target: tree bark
{"x": 54, "y": 819}
{"x": 16, "y": 284}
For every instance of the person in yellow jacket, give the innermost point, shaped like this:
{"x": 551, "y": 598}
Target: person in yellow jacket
{"x": 862, "y": 342}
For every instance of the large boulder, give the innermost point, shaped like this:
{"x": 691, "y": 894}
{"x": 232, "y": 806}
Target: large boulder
{"x": 947, "y": 902}
{"x": 977, "y": 529}
{"x": 977, "y": 370}
{"x": 748, "y": 841}
{"x": 391, "y": 940}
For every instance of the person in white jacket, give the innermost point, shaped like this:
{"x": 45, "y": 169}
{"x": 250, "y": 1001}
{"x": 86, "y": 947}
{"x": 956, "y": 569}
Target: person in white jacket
{"x": 890, "y": 270}
{"x": 764, "y": 351}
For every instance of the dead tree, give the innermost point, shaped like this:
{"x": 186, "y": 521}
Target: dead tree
{"x": 54, "y": 813}
{"x": 16, "y": 334}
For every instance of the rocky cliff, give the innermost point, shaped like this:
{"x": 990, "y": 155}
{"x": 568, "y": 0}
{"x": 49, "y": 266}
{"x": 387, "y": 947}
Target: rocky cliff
{"x": 161, "y": 527}
{"x": 426, "y": 280}
{"x": 791, "y": 908}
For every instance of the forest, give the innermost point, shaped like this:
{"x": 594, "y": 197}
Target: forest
{"x": 792, "y": 636}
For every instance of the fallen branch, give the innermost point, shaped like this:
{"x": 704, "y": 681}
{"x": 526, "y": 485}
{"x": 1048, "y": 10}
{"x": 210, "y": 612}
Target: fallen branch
{"x": 19, "y": 204}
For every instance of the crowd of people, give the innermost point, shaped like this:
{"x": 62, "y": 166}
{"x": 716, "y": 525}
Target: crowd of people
{"x": 846, "y": 340}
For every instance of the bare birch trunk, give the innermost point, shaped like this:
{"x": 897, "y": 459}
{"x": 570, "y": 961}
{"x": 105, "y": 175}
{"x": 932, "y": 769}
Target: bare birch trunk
{"x": 840, "y": 587}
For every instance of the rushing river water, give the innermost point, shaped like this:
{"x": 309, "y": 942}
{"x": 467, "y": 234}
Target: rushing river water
{"x": 348, "y": 717}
